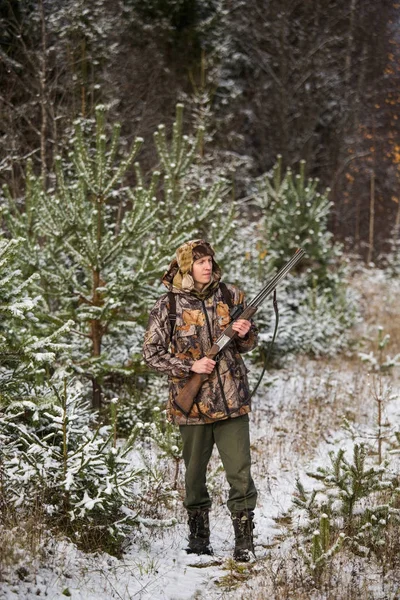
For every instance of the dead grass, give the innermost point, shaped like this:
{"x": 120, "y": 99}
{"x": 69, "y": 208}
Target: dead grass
{"x": 21, "y": 544}
{"x": 379, "y": 308}
{"x": 347, "y": 579}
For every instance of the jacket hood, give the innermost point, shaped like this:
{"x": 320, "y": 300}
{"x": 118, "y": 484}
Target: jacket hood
{"x": 178, "y": 277}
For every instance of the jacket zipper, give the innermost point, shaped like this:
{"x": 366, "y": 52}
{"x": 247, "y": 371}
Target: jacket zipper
{"x": 217, "y": 365}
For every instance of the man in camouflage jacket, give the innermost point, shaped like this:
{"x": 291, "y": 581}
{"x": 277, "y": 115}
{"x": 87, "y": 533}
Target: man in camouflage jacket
{"x": 220, "y": 411}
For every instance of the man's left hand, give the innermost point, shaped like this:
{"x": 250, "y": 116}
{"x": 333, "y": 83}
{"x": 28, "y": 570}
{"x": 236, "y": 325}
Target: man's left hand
{"x": 242, "y": 327}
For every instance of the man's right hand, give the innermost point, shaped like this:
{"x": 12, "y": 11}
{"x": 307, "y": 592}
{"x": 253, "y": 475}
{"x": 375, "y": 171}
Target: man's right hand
{"x": 204, "y": 365}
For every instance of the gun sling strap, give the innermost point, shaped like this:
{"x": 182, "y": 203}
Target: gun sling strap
{"x": 229, "y": 301}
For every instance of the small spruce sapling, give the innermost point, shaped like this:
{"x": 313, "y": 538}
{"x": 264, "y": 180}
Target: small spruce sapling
{"x": 351, "y": 481}
{"x": 375, "y": 359}
{"x": 168, "y": 441}
{"x": 322, "y": 548}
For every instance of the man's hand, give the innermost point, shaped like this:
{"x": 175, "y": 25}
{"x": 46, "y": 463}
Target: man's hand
{"x": 204, "y": 365}
{"x": 242, "y": 327}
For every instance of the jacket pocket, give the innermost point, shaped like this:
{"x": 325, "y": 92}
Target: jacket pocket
{"x": 186, "y": 331}
{"x": 184, "y": 339}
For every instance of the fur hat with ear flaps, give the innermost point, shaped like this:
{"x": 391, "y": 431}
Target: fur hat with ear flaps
{"x": 179, "y": 274}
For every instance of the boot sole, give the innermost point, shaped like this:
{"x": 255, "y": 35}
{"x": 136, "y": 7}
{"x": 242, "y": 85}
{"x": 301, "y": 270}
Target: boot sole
{"x": 199, "y": 552}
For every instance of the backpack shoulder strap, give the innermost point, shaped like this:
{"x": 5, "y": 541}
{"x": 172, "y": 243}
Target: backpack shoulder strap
{"x": 226, "y": 294}
{"x": 172, "y": 313}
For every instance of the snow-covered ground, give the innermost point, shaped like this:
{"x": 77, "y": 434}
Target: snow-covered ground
{"x": 296, "y": 421}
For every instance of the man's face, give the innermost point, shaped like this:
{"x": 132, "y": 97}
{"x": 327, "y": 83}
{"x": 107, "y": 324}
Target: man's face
{"x": 202, "y": 270}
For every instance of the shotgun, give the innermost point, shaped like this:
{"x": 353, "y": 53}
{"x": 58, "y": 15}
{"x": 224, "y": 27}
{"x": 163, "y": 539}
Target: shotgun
{"x": 185, "y": 399}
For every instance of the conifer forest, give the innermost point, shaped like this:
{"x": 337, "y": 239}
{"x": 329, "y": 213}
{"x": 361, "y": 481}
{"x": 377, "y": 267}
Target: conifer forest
{"x": 262, "y": 126}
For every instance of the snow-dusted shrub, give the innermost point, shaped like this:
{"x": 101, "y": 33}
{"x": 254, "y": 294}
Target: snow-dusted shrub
{"x": 376, "y": 359}
{"x": 27, "y": 346}
{"x": 310, "y": 320}
{"x": 359, "y": 500}
{"x": 313, "y": 317}
{"x": 54, "y": 455}
{"x": 347, "y": 483}
{"x": 158, "y": 490}
{"x": 145, "y": 418}
{"x": 138, "y": 402}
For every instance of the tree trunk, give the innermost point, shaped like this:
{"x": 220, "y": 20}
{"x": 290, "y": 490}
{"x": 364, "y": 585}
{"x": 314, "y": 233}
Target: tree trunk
{"x": 83, "y": 77}
{"x": 96, "y": 394}
{"x": 43, "y": 95}
{"x": 349, "y": 51}
{"x": 96, "y": 335}
{"x": 371, "y": 218}
{"x": 397, "y": 223}
{"x": 283, "y": 87}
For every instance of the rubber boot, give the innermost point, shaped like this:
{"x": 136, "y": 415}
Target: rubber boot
{"x": 199, "y": 532}
{"x": 244, "y": 544}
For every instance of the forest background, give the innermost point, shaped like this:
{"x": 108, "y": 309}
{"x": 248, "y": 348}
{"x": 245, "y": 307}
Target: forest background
{"x": 314, "y": 81}
{"x": 129, "y": 127}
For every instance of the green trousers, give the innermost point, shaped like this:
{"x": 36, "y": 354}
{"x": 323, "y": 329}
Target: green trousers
{"x": 232, "y": 439}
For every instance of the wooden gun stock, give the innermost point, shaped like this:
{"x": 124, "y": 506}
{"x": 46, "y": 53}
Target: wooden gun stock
{"x": 185, "y": 399}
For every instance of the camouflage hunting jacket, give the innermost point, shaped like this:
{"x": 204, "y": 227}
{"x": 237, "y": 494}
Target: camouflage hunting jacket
{"x": 199, "y": 322}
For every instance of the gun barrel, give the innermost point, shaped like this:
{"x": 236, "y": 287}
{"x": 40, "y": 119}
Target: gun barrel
{"x": 259, "y": 299}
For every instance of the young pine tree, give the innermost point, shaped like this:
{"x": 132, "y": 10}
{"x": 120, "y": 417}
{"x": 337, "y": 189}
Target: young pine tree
{"x": 295, "y": 213}
{"x": 100, "y": 245}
